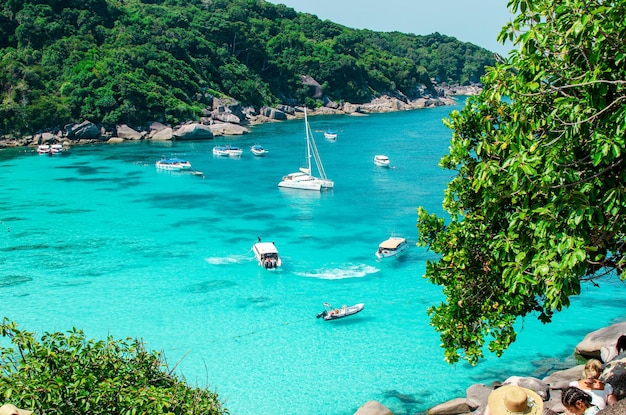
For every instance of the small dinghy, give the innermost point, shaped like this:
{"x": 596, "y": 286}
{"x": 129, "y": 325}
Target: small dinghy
{"x": 331, "y": 313}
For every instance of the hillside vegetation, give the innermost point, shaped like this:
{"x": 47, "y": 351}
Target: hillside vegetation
{"x": 133, "y": 61}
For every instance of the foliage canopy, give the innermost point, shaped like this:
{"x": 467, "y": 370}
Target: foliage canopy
{"x": 68, "y": 374}
{"x": 135, "y": 61}
{"x": 538, "y": 203}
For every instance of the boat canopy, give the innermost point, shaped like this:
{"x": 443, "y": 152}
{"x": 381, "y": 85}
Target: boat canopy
{"x": 392, "y": 243}
{"x": 264, "y": 248}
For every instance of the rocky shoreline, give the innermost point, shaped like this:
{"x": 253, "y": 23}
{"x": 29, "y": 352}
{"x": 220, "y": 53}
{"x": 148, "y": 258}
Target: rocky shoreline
{"x": 596, "y": 345}
{"x": 228, "y": 118}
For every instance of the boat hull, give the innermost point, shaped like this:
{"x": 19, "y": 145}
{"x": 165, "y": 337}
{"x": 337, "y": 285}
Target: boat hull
{"x": 301, "y": 181}
{"x": 335, "y": 314}
{"x": 266, "y": 255}
{"x": 382, "y": 161}
{"x": 393, "y": 247}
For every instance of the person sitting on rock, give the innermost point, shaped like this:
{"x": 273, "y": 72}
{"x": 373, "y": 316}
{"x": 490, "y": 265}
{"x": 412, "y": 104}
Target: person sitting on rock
{"x": 601, "y": 393}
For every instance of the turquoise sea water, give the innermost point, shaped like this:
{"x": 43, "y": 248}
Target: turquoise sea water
{"x": 99, "y": 240}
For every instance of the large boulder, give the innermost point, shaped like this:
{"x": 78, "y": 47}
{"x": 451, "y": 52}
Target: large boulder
{"x": 562, "y": 378}
{"x": 164, "y": 134}
{"x": 127, "y": 133}
{"x": 453, "y": 407}
{"x": 618, "y": 409}
{"x": 228, "y": 129}
{"x": 615, "y": 374}
{"x": 315, "y": 89}
{"x": 272, "y": 113}
{"x": 83, "y": 131}
{"x": 193, "y": 131}
{"x": 591, "y": 346}
{"x": 373, "y": 408}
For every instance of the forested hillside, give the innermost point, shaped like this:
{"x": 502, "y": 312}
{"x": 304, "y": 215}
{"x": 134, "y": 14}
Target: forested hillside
{"x": 133, "y": 61}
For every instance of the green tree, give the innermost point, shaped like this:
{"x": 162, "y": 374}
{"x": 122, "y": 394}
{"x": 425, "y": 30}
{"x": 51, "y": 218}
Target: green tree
{"x": 538, "y": 202}
{"x": 69, "y": 374}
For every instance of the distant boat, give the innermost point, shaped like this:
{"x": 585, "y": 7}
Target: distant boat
{"x": 56, "y": 149}
{"x": 227, "y": 151}
{"x": 173, "y": 164}
{"x": 303, "y": 179}
{"x": 330, "y": 135}
{"x": 43, "y": 149}
{"x": 258, "y": 150}
{"x": 381, "y": 160}
{"x": 267, "y": 254}
{"x": 392, "y": 248}
{"x": 332, "y": 313}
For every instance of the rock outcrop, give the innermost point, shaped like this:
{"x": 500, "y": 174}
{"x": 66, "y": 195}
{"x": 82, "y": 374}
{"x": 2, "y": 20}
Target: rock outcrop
{"x": 550, "y": 387}
{"x": 193, "y": 131}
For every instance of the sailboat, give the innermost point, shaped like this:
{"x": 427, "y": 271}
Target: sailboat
{"x": 303, "y": 179}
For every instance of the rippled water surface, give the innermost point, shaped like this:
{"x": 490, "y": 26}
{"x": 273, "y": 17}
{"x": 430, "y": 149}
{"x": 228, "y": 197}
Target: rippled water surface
{"x": 100, "y": 240}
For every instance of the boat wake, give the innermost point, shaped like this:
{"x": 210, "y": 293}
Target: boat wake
{"x": 353, "y": 271}
{"x": 227, "y": 260}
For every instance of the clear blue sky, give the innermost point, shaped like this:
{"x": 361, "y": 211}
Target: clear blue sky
{"x": 474, "y": 21}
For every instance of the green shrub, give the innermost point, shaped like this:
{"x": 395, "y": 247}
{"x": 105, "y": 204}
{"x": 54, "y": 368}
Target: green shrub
{"x": 69, "y": 374}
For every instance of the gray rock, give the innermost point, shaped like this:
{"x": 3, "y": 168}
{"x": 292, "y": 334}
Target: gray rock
{"x": 615, "y": 374}
{"x": 373, "y": 408}
{"x": 593, "y": 342}
{"x": 228, "y": 129}
{"x": 163, "y": 135}
{"x": 315, "y": 89}
{"x": 194, "y": 131}
{"x": 477, "y": 395}
{"x": 127, "y": 133}
{"x": 562, "y": 378}
{"x": 83, "y": 131}
{"x": 453, "y": 407}
{"x": 618, "y": 409}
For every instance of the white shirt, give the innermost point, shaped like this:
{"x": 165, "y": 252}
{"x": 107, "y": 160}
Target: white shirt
{"x": 598, "y": 397}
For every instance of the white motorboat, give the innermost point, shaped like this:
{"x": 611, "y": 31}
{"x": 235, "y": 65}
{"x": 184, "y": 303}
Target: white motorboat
{"x": 267, "y": 254}
{"x": 303, "y": 179}
{"x": 330, "y": 135}
{"x": 381, "y": 160}
{"x": 227, "y": 151}
{"x": 56, "y": 149}
{"x": 258, "y": 150}
{"x": 43, "y": 149}
{"x": 173, "y": 164}
{"x": 392, "y": 248}
{"x": 331, "y": 313}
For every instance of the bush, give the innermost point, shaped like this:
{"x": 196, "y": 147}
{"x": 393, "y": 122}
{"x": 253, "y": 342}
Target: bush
{"x": 69, "y": 374}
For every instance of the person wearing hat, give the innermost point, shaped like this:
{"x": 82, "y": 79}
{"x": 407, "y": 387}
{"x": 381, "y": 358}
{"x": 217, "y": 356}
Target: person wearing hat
{"x": 8, "y": 409}
{"x": 514, "y": 400}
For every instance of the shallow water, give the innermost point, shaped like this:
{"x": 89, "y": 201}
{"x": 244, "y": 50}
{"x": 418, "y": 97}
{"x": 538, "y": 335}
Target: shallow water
{"x": 100, "y": 240}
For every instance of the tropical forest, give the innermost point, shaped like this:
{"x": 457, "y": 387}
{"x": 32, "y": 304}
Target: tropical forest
{"x": 136, "y": 61}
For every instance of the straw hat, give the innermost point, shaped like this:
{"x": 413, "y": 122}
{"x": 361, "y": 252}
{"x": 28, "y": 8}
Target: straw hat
{"x": 511, "y": 399}
{"x": 9, "y": 409}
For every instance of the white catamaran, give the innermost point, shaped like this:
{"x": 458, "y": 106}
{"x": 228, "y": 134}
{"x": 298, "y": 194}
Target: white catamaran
{"x": 303, "y": 179}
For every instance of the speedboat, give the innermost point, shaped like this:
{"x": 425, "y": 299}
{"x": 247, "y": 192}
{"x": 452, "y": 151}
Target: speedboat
{"x": 43, "y": 149}
{"x": 331, "y": 313}
{"x": 267, "y": 254}
{"x": 56, "y": 148}
{"x": 258, "y": 150}
{"x": 330, "y": 135}
{"x": 381, "y": 160}
{"x": 392, "y": 248}
{"x": 173, "y": 164}
{"x": 227, "y": 151}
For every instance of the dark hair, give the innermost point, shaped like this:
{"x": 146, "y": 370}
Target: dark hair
{"x": 571, "y": 395}
{"x": 621, "y": 344}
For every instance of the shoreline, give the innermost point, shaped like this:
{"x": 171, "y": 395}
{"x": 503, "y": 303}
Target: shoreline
{"x": 228, "y": 118}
